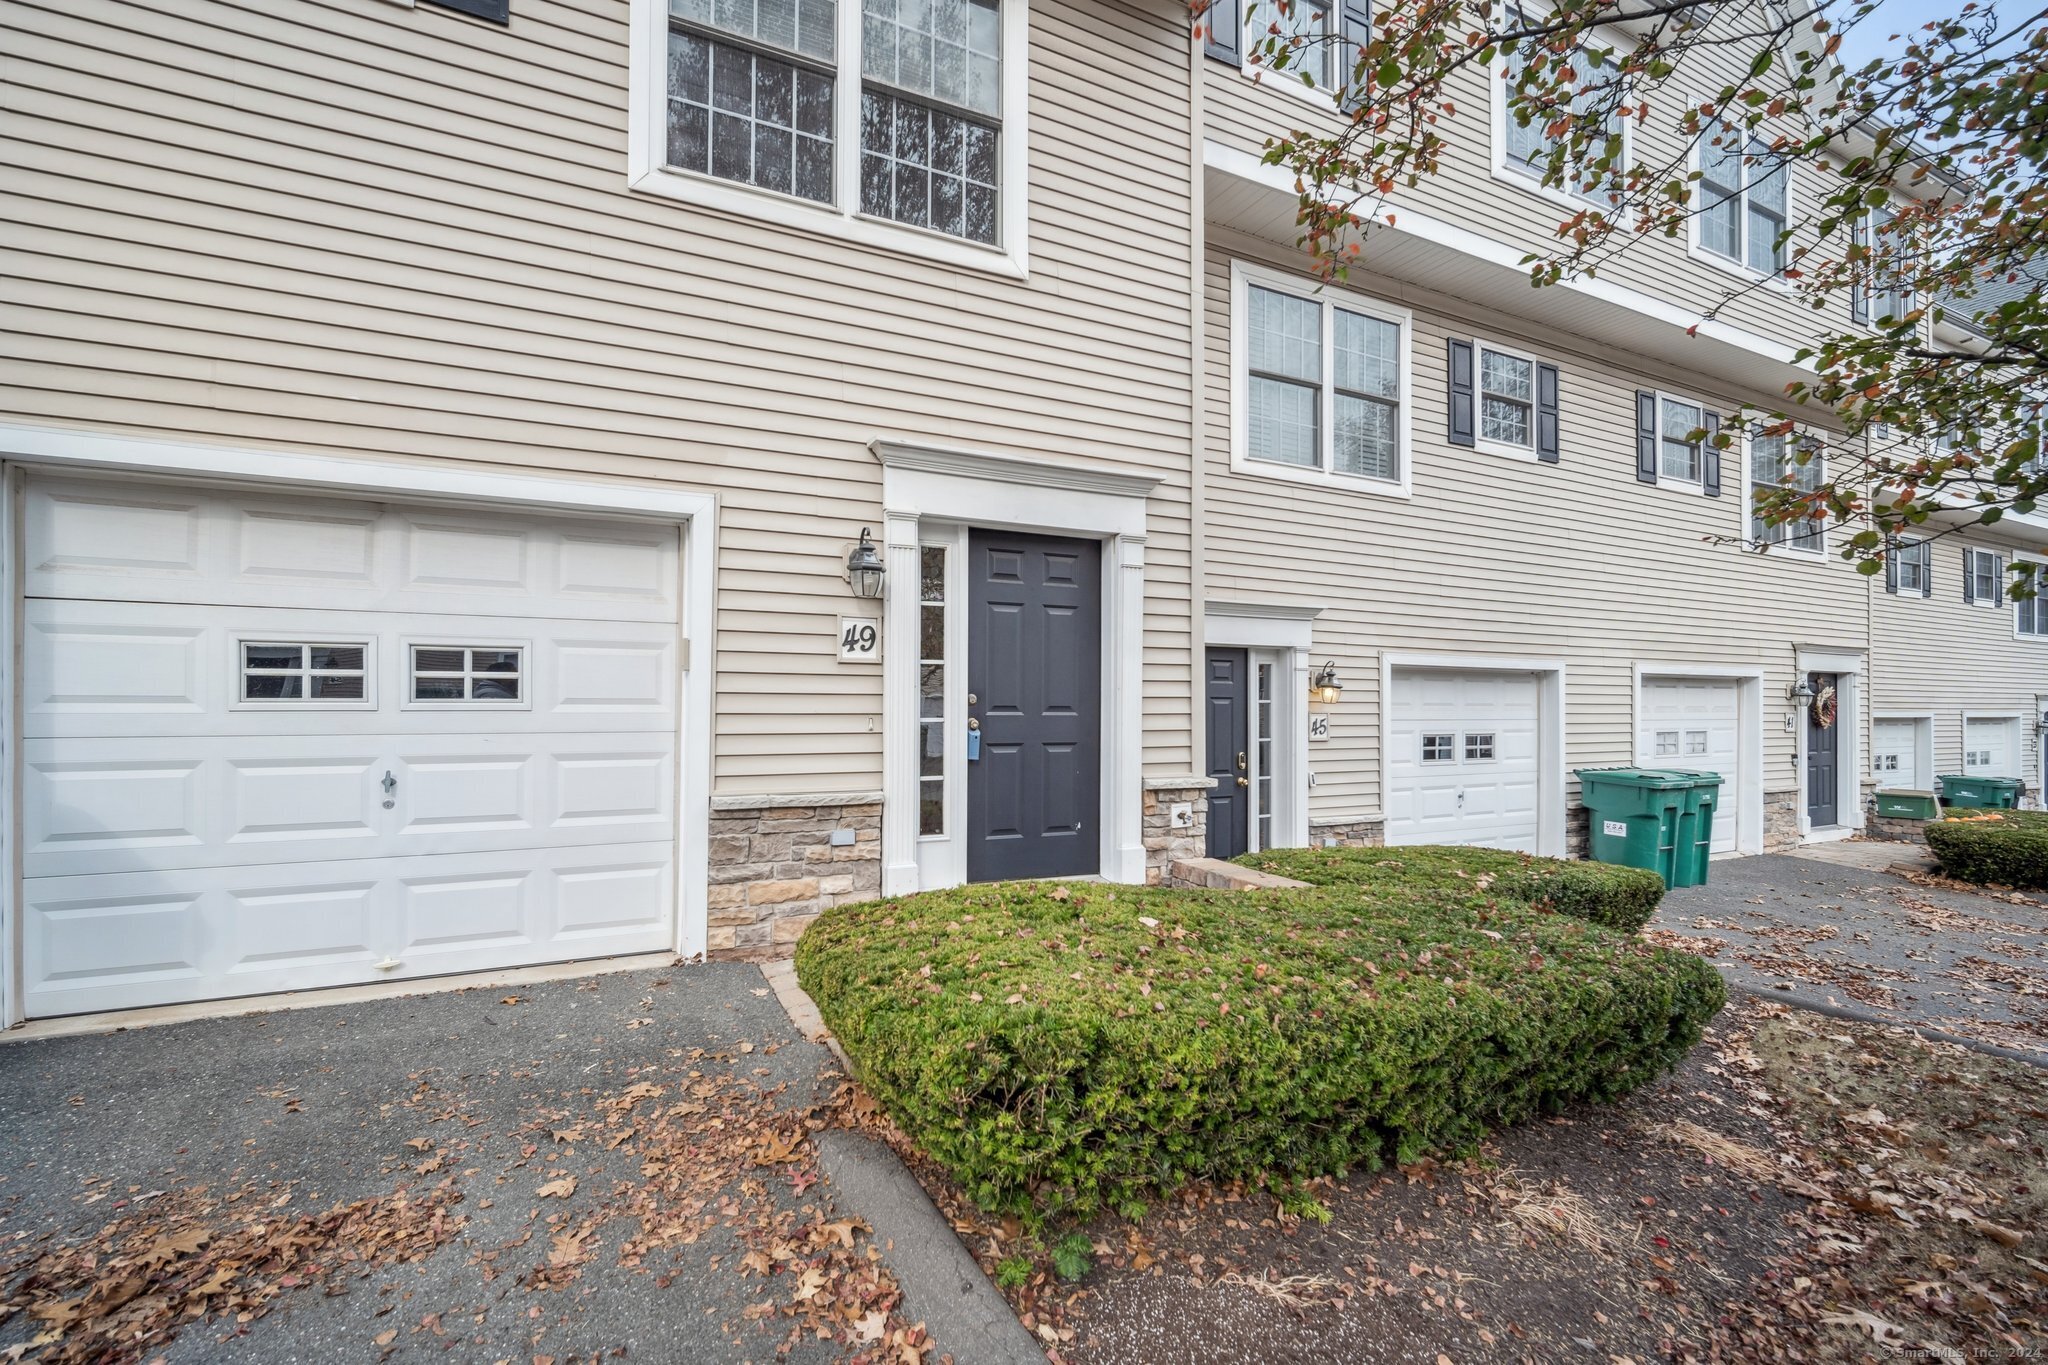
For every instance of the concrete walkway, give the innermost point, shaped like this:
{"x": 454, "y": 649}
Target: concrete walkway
{"x": 1831, "y": 927}
{"x": 616, "y": 1164}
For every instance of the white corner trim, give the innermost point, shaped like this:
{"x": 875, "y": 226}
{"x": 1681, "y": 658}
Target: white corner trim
{"x": 695, "y": 512}
{"x": 1247, "y": 166}
{"x": 646, "y": 138}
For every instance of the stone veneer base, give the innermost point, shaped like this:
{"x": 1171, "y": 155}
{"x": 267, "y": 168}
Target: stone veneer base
{"x": 775, "y": 868}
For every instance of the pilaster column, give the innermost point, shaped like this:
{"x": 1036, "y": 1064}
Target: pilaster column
{"x": 899, "y": 705}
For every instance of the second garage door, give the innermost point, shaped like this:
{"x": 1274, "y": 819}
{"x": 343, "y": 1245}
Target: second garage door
{"x": 276, "y": 743}
{"x": 1695, "y": 723}
{"x": 1462, "y": 763}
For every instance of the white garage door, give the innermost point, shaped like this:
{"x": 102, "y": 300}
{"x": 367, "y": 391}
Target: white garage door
{"x": 1693, "y": 723}
{"x": 1895, "y": 755}
{"x": 1461, "y": 759}
{"x": 1991, "y": 748}
{"x": 276, "y": 743}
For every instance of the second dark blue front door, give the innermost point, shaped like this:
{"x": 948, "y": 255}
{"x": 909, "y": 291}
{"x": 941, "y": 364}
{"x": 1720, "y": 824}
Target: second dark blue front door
{"x": 1229, "y": 811}
{"x": 1034, "y": 671}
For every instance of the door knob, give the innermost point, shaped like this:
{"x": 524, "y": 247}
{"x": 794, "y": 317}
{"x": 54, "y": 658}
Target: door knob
{"x": 390, "y": 785}
{"x": 1244, "y": 781}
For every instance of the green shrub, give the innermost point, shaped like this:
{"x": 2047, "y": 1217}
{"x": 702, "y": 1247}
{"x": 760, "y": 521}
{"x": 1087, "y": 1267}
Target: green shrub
{"x": 1065, "y": 1048}
{"x": 1621, "y": 898}
{"x": 2010, "y": 850}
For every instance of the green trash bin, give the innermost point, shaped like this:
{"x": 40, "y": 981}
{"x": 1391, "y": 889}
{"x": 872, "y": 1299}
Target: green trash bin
{"x": 1903, "y": 804}
{"x": 1696, "y": 828}
{"x": 1635, "y": 816}
{"x": 1980, "y": 793}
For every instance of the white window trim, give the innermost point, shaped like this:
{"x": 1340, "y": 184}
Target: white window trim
{"x": 1924, "y": 563}
{"x": 1698, "y": 484}
{"x": 1997, "y": 599}
{"x": 2016, "y": 741}
{"x": 1698, "y": 250}
{"x": 1819, "y": 549}
{"x": 1242, "y": 276}
{"x": 408, "y": 702}
{"x": 1515, "y": 173}
{"x": 366, "y": 702}
{"x": 1288, "y": 82}
{"x": 2040, "y": 582}
{"x": 1480, "y": 345}
{"x": 647, "y": 134}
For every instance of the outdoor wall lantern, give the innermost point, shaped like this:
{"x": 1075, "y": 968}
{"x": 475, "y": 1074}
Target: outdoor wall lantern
{"x": 1801, "y": 692}
{"x": 1326, "y": 689}
{"x": 864, "y": 568}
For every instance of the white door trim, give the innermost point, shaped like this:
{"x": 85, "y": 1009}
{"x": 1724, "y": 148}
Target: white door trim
{"x": 1749, "y": 733}
{"x": 1285, "y": 634}
{"x": 973, "y": 488}
{"x": 1847, "y": 665}
{"x": 1550, "y": 761}
{"x": 385, "y": 480}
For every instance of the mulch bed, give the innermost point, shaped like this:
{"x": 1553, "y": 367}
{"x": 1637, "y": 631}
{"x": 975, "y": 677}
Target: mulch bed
{"x": 1801, "y": 1188}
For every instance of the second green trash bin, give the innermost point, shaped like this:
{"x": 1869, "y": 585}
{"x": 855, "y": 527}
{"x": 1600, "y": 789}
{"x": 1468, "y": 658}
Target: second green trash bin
{"x": 1980, "y": 793}
{"x": 1657, "y": 818}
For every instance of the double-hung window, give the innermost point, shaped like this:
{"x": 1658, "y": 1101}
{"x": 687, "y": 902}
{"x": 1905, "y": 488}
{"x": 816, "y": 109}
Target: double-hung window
{"x": 1886, "y": 295}
{"x": 1678, "y": 446}
{"x": 1983, "y": 577}
{"x": 2030, "y": 614}
{"x": 1909, "y": 567}
{"x": 1323, "y": 382}
{"x": 1507, "y": 398}
{"x": 1525, "y": 147}
{"x": 1743, "y": 197}
{"x": 1775, "y": 462}
{"x": 893, "y": 122}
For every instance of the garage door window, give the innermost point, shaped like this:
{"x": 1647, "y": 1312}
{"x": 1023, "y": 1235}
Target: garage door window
{"x": 1439, "y": 748}
{"x": 305, "y": 672}
{"x": 1478, "y": 747}
{"x": 494, "y": 674}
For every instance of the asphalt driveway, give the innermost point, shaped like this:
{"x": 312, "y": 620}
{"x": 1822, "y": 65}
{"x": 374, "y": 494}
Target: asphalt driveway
{"x": 612, "y": 1167}
{"x": 1823, "y": 930}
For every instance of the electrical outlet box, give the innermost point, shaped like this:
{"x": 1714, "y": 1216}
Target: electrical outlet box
{"x": 1181, "y": 815}
{"x": 841, "y": 838}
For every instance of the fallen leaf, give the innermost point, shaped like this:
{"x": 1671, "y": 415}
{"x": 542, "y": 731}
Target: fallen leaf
{"x": 558, "y": 1189}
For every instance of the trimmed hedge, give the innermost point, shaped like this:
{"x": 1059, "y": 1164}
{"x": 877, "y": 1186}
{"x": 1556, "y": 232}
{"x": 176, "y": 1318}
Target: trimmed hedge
{"x": 1061, "y": 1048}
{"x": 1619, "y": 897}
{"x": 2010, "y": 848}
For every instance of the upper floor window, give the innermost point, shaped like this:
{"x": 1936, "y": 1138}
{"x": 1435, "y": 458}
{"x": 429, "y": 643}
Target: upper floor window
{"x": 1525, "y": 147}
{"x": 1886, "y": 295}
{"x": 2030, "y": 614}
{"x": 1507, "y": 398}
{"x": 1679, "y": 455}
{"x": 1983, "y": 576}
{"x": 1908, "y": 567}
{"x": 1323, "y": 381}
{"x": 893, "y": 122}
{"x": 1774, "y": 463}
{"x": 1743, "y": 201}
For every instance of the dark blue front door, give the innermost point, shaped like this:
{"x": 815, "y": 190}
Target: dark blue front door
{"x": 1229, "y": 811}
{"x": 1034, "y": 670}
{"x": 1822, "y": 780}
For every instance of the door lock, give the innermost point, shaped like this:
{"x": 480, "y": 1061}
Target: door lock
{"x": 1241, "y": 764}
{"x": 390, "y": 785}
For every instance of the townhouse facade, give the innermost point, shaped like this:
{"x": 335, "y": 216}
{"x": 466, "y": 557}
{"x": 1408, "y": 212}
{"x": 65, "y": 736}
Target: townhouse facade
{"x": 496, "y": 482}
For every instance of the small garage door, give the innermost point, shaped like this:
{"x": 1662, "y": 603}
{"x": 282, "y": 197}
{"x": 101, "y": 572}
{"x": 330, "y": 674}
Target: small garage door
{"x": 1462, "y": 759}
{"x": 1991, "y": 747}
{"x": 1693, "y": 723}
{"x": 278, "y": 743}
{"x": 1895, "y": 755}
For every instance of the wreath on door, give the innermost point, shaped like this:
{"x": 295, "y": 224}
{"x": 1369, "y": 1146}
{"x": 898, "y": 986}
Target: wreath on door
{"x": 1824, "y": 707}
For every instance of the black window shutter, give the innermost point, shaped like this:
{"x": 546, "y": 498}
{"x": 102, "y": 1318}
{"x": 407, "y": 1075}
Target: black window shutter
{"x": 1225, "y": 19}
{"x": 1859, "y": 298}
{"x": 1460, "y": 428}
{"x": 1998, "y": 580}
{"x": 1646, "y": 437}
{"x": 1354, "y": 29}
{"x": 1969, "y": 577}
{"x": 1546, "y": 413}
{"x": 1892, "y": 550}
{"x": 1926, "y": 553}
{"x": 496, "y": 11}
{"x": 1710, "y": 457}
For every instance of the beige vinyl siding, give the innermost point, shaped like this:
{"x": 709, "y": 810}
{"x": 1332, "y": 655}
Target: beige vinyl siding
{"x": 1513, "y": 559}
{"x": 1942, "y": 657}
{"x": 351, "y": 227}
{"x": 1244, "y": 114}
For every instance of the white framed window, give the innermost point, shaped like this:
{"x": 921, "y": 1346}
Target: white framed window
{"x": 317, "y": 674}
{"x": 1744, "y": 202}
{"x": 466, "y": 674}
{"x": 1478, "y": 747}
{"x": 1439, "y": 748}
{"x": 2030, "y": 614}
{"x": 1505, "y": 386}
{"x": 1983, "y": 576}
{"x": 1695, "y": 741}
{"x": 1775, "y": 462}
{"x": 1521, "y": 155}
{"x": 894, "y": 123}
{"x": 1320, "y": 383}
{"x": 1666, "y": 744}
{"x": 1912, "y": 566}
{"x": 1888, "y": 295}
{"x": 1680, "y": 458}
{"x": 932, "y": 727}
